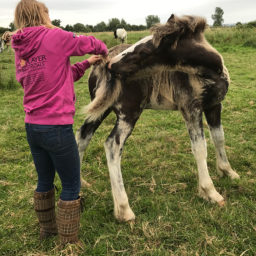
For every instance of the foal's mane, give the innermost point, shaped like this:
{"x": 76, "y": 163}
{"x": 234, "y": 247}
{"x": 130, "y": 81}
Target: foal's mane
{"x": 179, "y": 27}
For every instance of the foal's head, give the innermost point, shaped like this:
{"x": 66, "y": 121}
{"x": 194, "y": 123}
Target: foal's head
{"x": 181, "y": 42}
{"x": 178, "y": 29}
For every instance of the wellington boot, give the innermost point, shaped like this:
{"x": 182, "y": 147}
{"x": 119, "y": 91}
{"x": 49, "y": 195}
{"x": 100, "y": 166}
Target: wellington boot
{"x": 68, "y": 220}
{"x": 44, "y": 204}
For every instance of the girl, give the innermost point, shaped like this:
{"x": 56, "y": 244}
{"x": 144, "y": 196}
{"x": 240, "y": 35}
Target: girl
{"x": 42, "y": 59}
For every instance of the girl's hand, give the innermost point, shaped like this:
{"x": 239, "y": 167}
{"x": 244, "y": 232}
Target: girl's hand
{"x": 94, "y": 59}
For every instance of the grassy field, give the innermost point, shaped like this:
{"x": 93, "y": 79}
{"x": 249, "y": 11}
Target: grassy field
{"x": 159, "y": 172}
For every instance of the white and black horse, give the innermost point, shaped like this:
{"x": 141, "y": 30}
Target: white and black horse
{"x": 120, "y": 33}
{"x": 175, "y": 68}
{"x": 5, "y": 40}
{"x": 1, "y": 45}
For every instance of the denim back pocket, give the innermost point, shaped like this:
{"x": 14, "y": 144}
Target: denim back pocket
{"x": 48, "y": 136}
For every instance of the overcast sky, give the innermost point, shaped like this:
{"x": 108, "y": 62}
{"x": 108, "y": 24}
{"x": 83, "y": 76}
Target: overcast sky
{"x": 135, "y": 11}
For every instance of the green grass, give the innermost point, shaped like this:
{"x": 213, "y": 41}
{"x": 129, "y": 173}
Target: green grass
{"x": 7, "y": 78}
{"x": 232, "y": 36}
{"x": 159, "y": 172}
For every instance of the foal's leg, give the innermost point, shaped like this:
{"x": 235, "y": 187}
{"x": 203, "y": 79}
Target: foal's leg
{"x": 213, "y": 117}
{"x": 84, "y": 135}
{"x": 113, "y": 147}
{"x": 193, "y": 118}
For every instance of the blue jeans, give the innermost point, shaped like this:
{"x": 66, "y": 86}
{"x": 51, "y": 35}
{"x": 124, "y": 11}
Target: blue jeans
{"x": 54, "y": 148}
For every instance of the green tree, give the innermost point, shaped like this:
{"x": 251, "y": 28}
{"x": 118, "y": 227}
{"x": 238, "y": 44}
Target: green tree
{"x": 89, "y": 28}
{"x": 142, "y": 27}
{"x": 251, "y": 24}
{"x": 100, "y": 27}
{"x": 79, "y": 27}
{"x": 239, "y": 25}
{"x": 113, "y": 24}
{"x": 11, "y": 26}
{"x": 123, "y": 24}
{"x": 218, "y": 17}
{"x": 151, "y": 20}
{"x": 2, "y": 30}
{"x": 56, "y": 22}
{"x": 69, "y": 28}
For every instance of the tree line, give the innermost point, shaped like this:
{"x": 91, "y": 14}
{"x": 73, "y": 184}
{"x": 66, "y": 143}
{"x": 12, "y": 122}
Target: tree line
{"x": 115, "y": 23}
{"x": 112, "y": 25}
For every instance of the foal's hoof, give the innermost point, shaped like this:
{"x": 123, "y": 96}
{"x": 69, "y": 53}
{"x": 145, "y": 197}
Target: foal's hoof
{"x": 126, "y": 216}
{"x": 84, "y": 183}
{"x": 211, "y": 195}
{"x": 222, "y": 203}
{"x": 234, "y": 176}
{"x": 227, "y": 172}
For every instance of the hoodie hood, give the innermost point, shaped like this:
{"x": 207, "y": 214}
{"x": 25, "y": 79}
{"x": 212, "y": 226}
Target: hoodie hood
{"x": 26, "y": 42}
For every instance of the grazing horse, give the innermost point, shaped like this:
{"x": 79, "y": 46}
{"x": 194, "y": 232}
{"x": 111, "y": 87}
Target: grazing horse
{"x": 2, "y": 44}
{"x": 121, "y": 34}
{"x": 175, "y": 68}
{"x": 5, "y": 40}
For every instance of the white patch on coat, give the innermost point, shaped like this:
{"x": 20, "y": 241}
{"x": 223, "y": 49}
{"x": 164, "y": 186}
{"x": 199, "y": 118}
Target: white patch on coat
{"x": 130, "y": 49}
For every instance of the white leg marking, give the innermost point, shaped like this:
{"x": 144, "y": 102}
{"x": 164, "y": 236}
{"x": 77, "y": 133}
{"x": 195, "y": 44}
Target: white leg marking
{"x": 222, "y": 163}
{"x": 122, "y": 210}
{"x": 82, "y": 145}
{"x": 206, "y": 187}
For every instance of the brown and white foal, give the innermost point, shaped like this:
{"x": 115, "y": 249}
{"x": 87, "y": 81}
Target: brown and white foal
{"x": 175, "y": 68}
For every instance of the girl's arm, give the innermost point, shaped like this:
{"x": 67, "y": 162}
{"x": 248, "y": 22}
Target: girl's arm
{"x": 73, "y": 45}
{"x": 79, "y": 68}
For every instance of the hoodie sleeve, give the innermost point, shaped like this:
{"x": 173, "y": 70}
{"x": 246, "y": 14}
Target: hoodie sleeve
{"x": 79, "y": 68}
{"x": 74, "y": 45}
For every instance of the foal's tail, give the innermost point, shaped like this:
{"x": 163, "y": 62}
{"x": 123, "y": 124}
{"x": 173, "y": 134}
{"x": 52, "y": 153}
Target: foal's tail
{"x": 108, "y": 89}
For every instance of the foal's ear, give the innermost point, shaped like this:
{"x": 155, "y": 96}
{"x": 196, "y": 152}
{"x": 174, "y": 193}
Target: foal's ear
{"x": 171, "y": 19}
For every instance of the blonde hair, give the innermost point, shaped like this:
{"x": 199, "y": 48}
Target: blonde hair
{"x": 31, "y": 13}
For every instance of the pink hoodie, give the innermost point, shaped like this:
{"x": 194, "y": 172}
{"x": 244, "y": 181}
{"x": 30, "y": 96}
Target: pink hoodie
{"x": 44, "y": 71}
